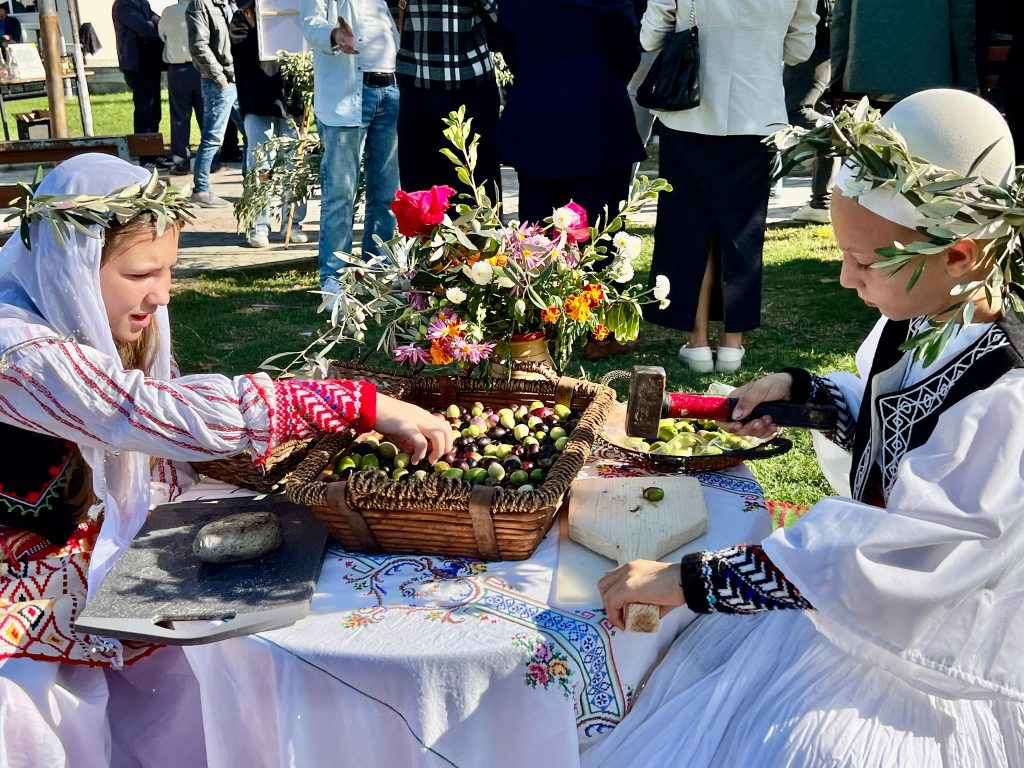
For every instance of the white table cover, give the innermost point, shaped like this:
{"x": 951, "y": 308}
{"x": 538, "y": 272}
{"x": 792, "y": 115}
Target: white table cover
{"x": 413, "y": 660}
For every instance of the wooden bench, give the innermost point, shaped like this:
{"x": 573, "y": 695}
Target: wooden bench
{"x": 51, "y": 151}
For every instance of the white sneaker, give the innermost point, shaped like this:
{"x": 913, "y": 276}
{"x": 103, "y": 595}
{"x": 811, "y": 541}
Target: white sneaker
{"x": 729, "y": 359}
{"x": 699, "y": 359}
{"x": 257, "y": 238}
{"x": 298, "y": 236}
{"x": 208, "y": 200}
{"x": 813, "y": 215}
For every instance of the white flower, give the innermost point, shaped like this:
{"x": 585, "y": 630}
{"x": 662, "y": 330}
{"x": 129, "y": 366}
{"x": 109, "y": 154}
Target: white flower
{"x": 563, "y": 218}
{"x": 628, "y": 246}
{"x": 505, "y": 282}
{"x": 455, "y": 295}
{"x": 661, "y": 288}
{"x": 481, "y": 314}
{"x": 481, "y": 273}
{"x": 622, "y": 271}
{"x": 520, "y": 307}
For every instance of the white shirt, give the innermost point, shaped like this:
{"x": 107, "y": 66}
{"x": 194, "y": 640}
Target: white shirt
{"x": 174, "y": 33}
{"x": 743, "y": 44}
{"x": 338, "y": 93}
{"x": 379, "y": 47}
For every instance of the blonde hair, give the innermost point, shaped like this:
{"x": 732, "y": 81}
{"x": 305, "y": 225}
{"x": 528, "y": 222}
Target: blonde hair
{"x": 140, "y": 354}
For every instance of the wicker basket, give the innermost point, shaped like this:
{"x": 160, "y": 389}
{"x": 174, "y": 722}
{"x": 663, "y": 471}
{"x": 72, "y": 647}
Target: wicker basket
{"x": 442, "y": 516}
{"x": 239, "y": 470}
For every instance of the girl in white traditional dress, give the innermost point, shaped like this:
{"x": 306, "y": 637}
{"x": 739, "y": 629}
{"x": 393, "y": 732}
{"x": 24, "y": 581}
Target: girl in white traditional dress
{"x": 907, "y": 645}
{"x": 96, "y": 430}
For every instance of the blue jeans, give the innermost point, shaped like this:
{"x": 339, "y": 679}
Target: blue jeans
{"x": 259, "y": 128}
{"x": 217, "y": 104}
{"x": 376, "y": 141}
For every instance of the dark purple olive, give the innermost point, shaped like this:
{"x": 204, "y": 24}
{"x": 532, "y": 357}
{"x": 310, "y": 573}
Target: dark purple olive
{"x": 486, "y": 461}
{"x": 498, "y": 432}
{"x": 512, "y": 463}
{"x": 460, "y": 442}
{"x": 470, "y": 462}
{"x": 545, "y": 462}
{"x": 551, "y": 420}
{"x": 542, "y": 427}
{"x": 533, "y": 449}
{"x": 482, "y": 441}
{"x": 518, "y": 450}
{"x": 452, "y": 455}
{"x": 527, "y": 465}
{"x": 463, "y": 465}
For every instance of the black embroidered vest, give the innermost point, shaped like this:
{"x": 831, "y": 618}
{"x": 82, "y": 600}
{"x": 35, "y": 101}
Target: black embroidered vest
{"x": 37, "y": 476}
{"x": 907, "y": 416}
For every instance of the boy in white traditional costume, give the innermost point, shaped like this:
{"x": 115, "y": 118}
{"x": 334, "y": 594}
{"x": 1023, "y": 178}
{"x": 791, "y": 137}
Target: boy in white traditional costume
{"x": 909, "y": 647}
{"x": 96, "y": 429}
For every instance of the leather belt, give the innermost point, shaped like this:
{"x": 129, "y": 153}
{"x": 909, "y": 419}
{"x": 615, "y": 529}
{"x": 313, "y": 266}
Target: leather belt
{"x": 378, "y": 79}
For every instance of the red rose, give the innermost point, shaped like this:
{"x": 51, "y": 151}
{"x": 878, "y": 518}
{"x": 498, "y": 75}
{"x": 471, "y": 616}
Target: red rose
{"x": 419, "y": 212}
{"x": 579, "y": 232}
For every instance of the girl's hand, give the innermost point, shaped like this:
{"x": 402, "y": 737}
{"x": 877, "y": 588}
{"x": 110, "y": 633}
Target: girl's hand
{"x": 413, "y": 429}
{"x": 774, "y": 386}
{"x": 641, "y": 581}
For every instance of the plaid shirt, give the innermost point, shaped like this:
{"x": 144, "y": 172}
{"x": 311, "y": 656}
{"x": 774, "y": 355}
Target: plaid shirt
{"x": 444, "y": 43}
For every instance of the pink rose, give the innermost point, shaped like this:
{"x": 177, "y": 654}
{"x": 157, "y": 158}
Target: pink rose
{"x": 419, "y": 212}
{"x": 579, "y": 232}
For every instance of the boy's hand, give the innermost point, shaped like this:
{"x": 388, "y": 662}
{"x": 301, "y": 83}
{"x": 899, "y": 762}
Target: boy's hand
{"x": 774, "y": 386}
{"x": 641, "y": 581}
{"x": 413, "y": 429}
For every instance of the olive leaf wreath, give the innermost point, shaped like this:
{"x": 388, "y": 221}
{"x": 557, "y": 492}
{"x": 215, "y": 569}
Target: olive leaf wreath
{"x": 84, "y": 212}
{"x": 951, "y": 206}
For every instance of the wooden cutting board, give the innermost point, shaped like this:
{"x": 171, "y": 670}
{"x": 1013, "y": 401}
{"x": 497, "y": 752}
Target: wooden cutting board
{"x": 612, "y": 514}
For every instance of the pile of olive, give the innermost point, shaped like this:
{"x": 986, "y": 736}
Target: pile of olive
{"x": 511, "y": 447}
{"x": 691, "y": 437}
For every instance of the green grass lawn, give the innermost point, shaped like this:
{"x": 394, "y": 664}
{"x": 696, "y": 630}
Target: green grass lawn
{"x": 111, "y": 115}
{"x": 230, "y": 323}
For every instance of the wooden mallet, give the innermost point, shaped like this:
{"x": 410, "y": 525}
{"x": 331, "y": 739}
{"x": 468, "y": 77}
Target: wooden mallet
{"x": 649, "y": 402}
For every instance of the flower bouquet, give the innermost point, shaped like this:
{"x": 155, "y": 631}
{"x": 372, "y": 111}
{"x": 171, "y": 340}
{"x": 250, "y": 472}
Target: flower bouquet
{"x": 459, "y": 286}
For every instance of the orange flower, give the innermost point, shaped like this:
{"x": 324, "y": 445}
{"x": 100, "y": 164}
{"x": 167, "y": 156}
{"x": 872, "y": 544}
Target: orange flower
{"x": 473, "y": 258}
{"x": 600, "y": 332}
{"x": 550, "y": 315}
{"x": 577, "y": 308}
{"x": 498, "y": 260}
{"x": 593, "y": 293}
{"x": 440, "y": 353}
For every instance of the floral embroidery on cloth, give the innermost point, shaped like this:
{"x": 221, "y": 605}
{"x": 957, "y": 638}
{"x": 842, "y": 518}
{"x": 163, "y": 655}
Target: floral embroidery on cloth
{"x": 575, "y": 647}
{"x": 42, "y": 590}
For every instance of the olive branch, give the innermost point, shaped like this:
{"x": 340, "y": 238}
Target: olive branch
{"x": 65, "y": 213}
{"x": 951, "y": 207}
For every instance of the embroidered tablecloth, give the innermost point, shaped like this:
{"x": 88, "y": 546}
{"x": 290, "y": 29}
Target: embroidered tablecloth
{"x": 427, "y": 661}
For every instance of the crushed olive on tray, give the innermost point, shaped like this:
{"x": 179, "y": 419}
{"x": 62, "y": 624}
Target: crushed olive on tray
{"x": 511, "y": 447}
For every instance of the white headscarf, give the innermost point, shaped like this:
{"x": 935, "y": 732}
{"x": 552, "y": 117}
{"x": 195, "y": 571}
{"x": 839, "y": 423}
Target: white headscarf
{"x": 949, "y": 129}
{"x": 59, "y": 286}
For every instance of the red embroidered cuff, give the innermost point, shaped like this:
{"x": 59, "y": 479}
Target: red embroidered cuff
{"x": 366, "y": 400}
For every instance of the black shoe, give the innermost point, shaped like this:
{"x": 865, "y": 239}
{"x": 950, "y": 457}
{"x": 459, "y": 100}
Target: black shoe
{"x": 181, "y": 169}
{"x": 216, "y": 166}
{"x": 163, "y": 162}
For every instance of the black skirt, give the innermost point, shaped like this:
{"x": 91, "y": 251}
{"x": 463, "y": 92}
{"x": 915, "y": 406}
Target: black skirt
{"x": 717, "y": 208}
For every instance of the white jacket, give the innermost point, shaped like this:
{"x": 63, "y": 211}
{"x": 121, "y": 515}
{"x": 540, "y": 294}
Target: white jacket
{"x": 743, "y": 45}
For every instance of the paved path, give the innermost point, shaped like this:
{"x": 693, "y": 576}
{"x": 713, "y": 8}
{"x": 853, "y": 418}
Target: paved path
{"x": 212, "y": 242}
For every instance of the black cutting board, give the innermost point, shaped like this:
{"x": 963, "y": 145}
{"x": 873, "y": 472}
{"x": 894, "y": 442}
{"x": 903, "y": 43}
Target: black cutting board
{"x": 160, "y": 591}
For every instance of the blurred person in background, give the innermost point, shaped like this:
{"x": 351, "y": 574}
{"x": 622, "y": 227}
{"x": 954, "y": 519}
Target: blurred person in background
{"x": 184, "y": 91}
{"x": 709, "y": 235}
{"x": 267, "y": 111}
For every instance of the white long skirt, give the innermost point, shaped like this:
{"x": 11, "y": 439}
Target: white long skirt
{"x": 769, "y": 690}
{"x": 54, "y": 714}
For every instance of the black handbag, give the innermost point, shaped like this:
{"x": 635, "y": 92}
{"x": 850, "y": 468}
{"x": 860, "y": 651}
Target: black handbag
{"x": 673, "y": 82}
